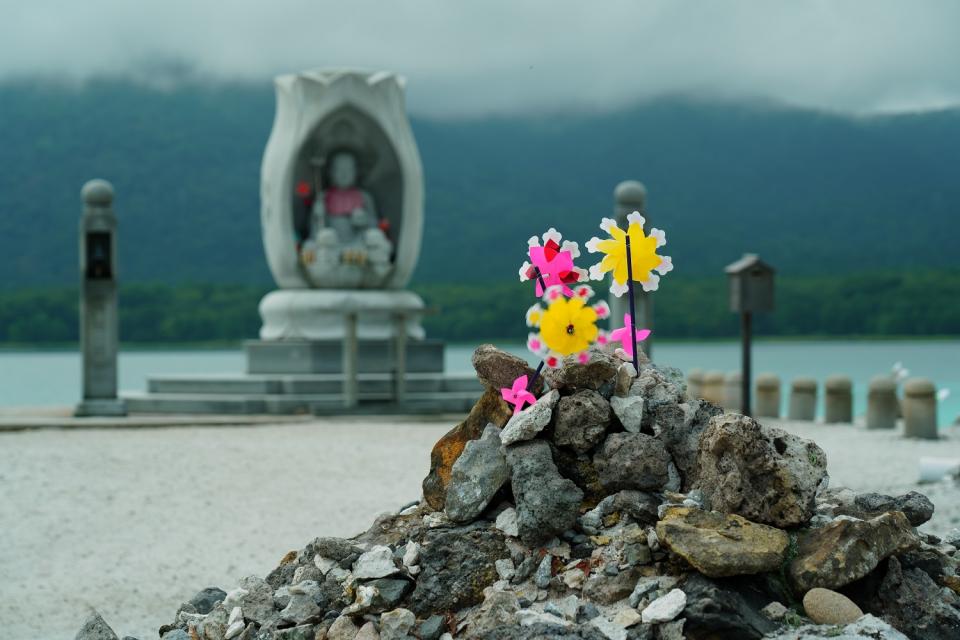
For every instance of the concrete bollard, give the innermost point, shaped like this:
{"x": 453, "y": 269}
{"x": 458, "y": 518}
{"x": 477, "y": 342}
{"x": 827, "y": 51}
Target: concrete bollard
{"x": 768, "y": 396}
{"x": 920, "y": 409}
{"x": 732, "y": 391}
{"x": 838, "y": 399}
{"x": 713, "y": 387}
{"x": 882, "y": 404}
{"x": 695, "y": 384}
{"x": 803, "y": 400}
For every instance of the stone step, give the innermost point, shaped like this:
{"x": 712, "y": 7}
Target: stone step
{"x": 286, "y": 404}
{"x": 226, "y": 384}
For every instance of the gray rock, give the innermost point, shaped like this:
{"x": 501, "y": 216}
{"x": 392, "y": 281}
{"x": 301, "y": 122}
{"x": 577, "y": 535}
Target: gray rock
{"x": 538, "y": 628}
{"x": 671, "y": 630}
{"x": 390, "y": 592}
{"x": 681, "y": 436}
{"x": 629, "y": 410}
{"x": 175, "y": 634}
{"x": 581, "y": 420}
{"x": 499, "y": 609}
{"x": 547, "y": 504}
{"x": 431, "y": 628}
{"x": 599, "y": 374}
{"x": 763, "y": 474}
{"x": 302, "y": 632}
{"x": 456, "y": 566}
{"x": 343, "y": 628}
{"x": 95, "y": 628}
{"x": 302, "y": 606}
{"x": 606, "y": 589}
{"x": 375, "y": 563}
{"x": 867, "y": 627}
{"x": 911, "y": 602}
{"x": 846, "y": 550}
{"x": 531, "y": 421}
{"x": 632, "y": 461}
{"x": 544, "y": 572}
{"x": 713, "y": 611}
{"x": 396, "y": 624}
{"x": 255, "y": 597}
{"x": 204, "y": 601}
{"x": 498, "y": 369}
{"x": 916, "y": 506}
{"x": 639, "y": 506}
{"x": 476, "y": 477}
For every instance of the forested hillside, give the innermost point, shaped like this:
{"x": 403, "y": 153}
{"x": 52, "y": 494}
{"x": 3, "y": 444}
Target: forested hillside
{"x": 814, "y": 193}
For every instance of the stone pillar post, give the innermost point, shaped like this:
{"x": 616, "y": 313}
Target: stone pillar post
{"x": 803, "y": 399}
{"x": 838, "y": 399}
{"x": 695, "y": 384}
{"x": 768, "y": 396}
{"x": 98, "y": 302}
{"x": 882, "y": 403}
{"x": 920, "y": 409}
{"x": 732, "y": 400}
{"x": 713, "y": 387}
{"x": 630, "y": 196}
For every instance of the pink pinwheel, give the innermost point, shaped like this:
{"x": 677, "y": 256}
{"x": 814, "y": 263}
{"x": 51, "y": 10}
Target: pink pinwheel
{"x": 518, "y": 395}
{"x": 552, "y": 263}
{"x": 622, "y": 335}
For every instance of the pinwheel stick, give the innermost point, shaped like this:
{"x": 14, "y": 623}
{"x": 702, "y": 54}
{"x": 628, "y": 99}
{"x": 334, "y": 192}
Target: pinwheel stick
{"x": 633, "y": 312}
{"x": 536, "y": 374}
{"x": 543, "y": 285}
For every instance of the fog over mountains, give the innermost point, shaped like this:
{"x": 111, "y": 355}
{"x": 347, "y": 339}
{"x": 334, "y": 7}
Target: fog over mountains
{"x": 813, "y": 192}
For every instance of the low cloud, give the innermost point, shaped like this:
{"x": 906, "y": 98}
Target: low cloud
{"x": 490, "y": 56}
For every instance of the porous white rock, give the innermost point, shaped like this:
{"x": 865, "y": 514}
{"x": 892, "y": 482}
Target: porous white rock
{"x": 665, "y": 608}
{"x": 531, "y": 421}
{"x": 507, "y": 522}
{"x": 376, "y": 563}
{"x": 629, "y": 410}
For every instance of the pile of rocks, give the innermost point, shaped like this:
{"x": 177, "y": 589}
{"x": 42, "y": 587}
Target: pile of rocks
{"x": 615, "y": 508}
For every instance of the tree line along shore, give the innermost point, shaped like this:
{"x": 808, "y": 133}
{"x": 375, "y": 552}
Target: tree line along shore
{"x": 910, "y": 303}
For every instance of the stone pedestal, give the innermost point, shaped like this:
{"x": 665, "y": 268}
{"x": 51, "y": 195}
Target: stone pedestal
{"x": 882, "y": 404}
{"x": 920, "y": 409}
{"x": 803, "y": 399}
{"x": 838, "y": 399}
{"x": 321, "y": 314}
{"x": 768, "y": 396}
{"x": 732, "y": 396}
{"x": 326, "y": 356}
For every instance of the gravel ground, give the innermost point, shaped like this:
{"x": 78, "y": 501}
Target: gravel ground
{"x": 134, "y": 521}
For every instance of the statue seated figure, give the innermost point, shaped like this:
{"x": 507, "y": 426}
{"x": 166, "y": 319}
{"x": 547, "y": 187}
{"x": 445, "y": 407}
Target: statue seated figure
{"x": 346, "y": 246}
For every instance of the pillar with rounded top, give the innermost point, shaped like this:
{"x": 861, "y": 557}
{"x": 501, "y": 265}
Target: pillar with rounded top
{"x": 768, "y": 396}
{"x": 732, "y": 397}
{"x": 882, "y": 404}
{"x": 838, "y": 399}
{"x": 695, "y": 384}
{"x": 920, "y": 409}
{"x": 630, "y": 196}
{"x": 98, "y": 302}
{"x": 713, "y": 387}
{"x": 803, "y": 399}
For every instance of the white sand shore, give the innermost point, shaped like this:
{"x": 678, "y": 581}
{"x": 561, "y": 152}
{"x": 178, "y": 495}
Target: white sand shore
{"x": 134, "y": 521}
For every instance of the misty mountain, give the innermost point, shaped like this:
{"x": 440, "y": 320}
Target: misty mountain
{"x": 813, "y": 192}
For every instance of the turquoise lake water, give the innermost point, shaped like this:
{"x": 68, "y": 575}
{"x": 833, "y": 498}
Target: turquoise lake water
{"x": 39, "y": 378}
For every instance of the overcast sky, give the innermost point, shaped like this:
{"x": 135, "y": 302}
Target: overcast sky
{"x": 473, "y": 57}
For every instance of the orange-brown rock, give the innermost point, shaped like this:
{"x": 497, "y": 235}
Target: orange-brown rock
{"x": 489, "y": 409}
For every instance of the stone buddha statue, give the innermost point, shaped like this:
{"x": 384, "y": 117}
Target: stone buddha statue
{"x": 347, "y": 246}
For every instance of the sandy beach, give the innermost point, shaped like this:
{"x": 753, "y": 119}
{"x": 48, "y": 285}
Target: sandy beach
{"x": 135, "y": 521}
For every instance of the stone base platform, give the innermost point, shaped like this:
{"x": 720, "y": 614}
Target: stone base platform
{"x": 319, "y": 394}
{"x": 326, "y": 356}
